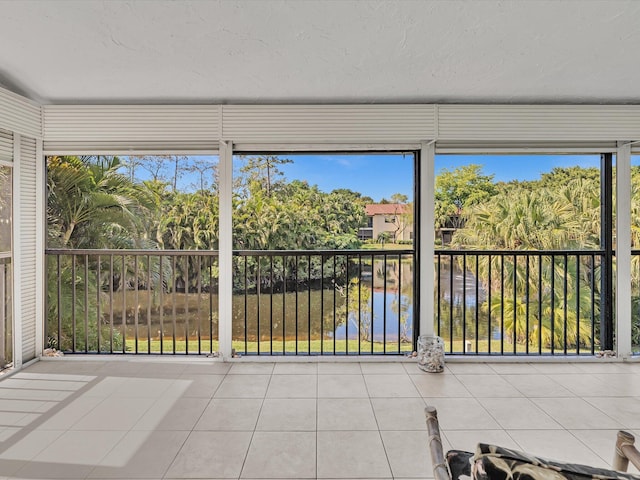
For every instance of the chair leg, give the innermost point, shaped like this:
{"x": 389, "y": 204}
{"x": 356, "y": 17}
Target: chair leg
{"x": 625, "y": 452}
{"x": 440, "y": 471}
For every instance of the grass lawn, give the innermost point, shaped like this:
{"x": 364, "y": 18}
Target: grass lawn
{"x": 317, "y": 347}
{"x": 386, "y": 246}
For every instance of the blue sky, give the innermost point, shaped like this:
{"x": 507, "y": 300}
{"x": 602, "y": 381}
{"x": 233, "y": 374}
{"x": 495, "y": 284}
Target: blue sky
{"x": 383, "y": 175}
{"x": 376, "y": 176}
{"x": 516, "y": 167}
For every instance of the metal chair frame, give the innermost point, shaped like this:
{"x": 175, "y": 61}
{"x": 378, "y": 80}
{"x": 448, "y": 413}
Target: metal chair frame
{"x": 625, "y": 450}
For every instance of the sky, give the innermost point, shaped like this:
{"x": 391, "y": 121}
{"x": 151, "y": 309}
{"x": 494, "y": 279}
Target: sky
{"x": 381, "y": 175}
{"x": 376, "y": 176}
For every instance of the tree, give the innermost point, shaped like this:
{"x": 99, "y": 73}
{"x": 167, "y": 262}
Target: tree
{"x": 89, "y": 203}
{"x": 383, "y": 237}
{"x": 561, "y": 217}
{"x": 264, "y": 170}
{"x": 560, "y": 176}
{"x": 457, "y": 190}
{"x": 207, "y": 173}
{"x": 401, "y": 218}
{"x": 399, "y": 198}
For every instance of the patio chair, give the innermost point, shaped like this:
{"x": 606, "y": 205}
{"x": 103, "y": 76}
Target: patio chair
{"x": 491, "y": 462}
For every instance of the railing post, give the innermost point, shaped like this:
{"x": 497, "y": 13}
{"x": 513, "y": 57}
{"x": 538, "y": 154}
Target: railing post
{"x": 225, "y": 291}
{"x": 623, "y": 250}
{"x": 606, "y": 232}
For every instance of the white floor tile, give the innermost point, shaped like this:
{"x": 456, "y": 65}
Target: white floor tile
{"x": 201, "y": 386}
{"x": 64, "y": 418}
{"x": 141, "y": 454}
{"x": 243, "y": 386}
{"x": 251, "y": 369}
{"x": 211, "y": 455}
{"x": 115, "y": 414}
{"x": 468, "y": 440}
{"x": 575, "y": 413}
{"x": 295, "y": 369}
{"x": 30, "y": 445}
{"x": 330, "y": 368}
{"x": 341, "y": 386}
{"x": 462, "y": 414}
{"x": 80, "y": 447}
{"x": 293, "y": 386}
{"x": 471, "y": 368}
{"x": 228, "y": 414}
{"x": 488, "y": 386}
{"x": 169, "y": 413}
{"x": 288, "y": 414}
{"x": 352, "y": 455}
{"x": 518, "y": 413}
{"x": 439, "y": 386}
{"x": 625, "y": 411}
{"x": 30, "y": 394}
{"x": 602, "y": 442}
{"x": 346, "y": 414}
{"x": 281, "y": 455}
{"x": 376, "y": 368}
{"x": 406, "y": 453}
{"x": 533, "y": 386}
{"x": 557, "y": 368}
{"x": 157, "y": 419}
{"x": 399, "y": 413}
{"x": 557, "y": 445}
{"x": 389, "y": 386}
{"x": 511, "y": 368}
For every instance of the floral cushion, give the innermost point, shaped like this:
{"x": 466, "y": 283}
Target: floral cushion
{"x": 459, "y": 463}
{"x": 498, "y": 463}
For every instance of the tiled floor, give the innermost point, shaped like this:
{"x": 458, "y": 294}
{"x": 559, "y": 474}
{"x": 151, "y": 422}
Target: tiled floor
{"x": 97, "y": 419}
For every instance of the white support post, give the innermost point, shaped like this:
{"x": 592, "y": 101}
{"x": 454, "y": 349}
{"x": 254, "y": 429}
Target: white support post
{"x": 623, "y": 250}
{"x": 17, "y": 256}
{"x": 41, "y": 223}
{"x": 427, "y": 236}
{"x": 225, "y": 293}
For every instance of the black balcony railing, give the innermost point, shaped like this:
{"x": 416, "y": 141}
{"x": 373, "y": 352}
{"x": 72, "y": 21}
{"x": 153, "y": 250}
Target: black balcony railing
{"x": 132, "y": 301}
{"x": 324, "y": 302}
{"x": 284, "y": 302}
{"x": 518, "y": 302}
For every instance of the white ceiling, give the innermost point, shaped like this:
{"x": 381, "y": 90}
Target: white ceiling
{"x": 321, "y": 51}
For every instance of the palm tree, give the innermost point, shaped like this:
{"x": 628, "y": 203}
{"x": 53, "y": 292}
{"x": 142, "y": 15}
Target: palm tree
{"x": 90, "y": 203}
{"x": 541, "y": 220}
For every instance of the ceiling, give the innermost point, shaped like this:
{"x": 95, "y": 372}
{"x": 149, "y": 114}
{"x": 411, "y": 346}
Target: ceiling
{"x": 321, "y": 51}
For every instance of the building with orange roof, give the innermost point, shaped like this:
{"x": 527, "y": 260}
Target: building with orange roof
{"x": 393, "y": 219}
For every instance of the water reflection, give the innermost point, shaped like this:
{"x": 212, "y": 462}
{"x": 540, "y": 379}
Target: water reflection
{"x": 458, "y": 288}
{"x": 395, "y": 326}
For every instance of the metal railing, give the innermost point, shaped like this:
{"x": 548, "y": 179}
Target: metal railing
{"x": 284, "y": 302}
{"x": 324, "y": 302}
{"x": 518, "y": 302}
{"x": 132, "y": 301}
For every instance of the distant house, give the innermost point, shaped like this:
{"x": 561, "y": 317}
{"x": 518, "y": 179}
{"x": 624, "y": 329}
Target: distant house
{"x": 391, "y": 218}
